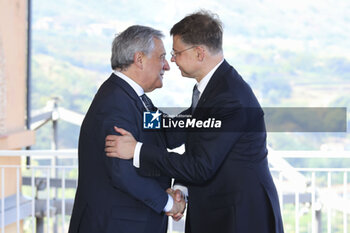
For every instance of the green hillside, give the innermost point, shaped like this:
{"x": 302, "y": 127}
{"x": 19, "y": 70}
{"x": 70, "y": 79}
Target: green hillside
{"x": 293, "y": 54}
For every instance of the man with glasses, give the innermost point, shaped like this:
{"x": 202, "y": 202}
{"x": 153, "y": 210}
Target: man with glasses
{"x": 230, "y": 188}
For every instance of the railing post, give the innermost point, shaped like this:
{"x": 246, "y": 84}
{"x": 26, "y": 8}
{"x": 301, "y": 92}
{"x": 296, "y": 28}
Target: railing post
{"x": 18, "y": 217}
{"x": 39, "y": 225}
{"x": 2, "y": 200}
{"x": 297, "y": 211}
{"x": 313, "y": 202}
{"x": 33, "y": 198}
{"x": 345, "y": 216}
{"x": 329, "y": 210}
{"x": 63, "y": 203}
{"x": 39, "y": 218}
{"x": 55, "y": 117}
{"x": 48, "y": 215}
{"x": 318, "y": 219}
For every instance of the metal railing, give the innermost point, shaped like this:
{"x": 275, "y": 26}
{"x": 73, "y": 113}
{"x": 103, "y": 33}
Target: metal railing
{"x": 47, "y": 190}
{"x": 44, "y": 192}
{"x": 322, "y": 203}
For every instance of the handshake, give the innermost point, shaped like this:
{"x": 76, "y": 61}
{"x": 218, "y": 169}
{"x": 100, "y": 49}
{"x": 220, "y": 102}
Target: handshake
{"x": 179, "y": 205}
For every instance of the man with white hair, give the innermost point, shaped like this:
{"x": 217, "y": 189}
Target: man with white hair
{"x": 111, "y": 196}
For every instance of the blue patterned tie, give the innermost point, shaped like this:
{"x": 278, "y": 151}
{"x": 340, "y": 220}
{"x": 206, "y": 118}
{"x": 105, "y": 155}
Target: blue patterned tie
{"x": 148, "y": 103}
{"x": 195, "y": 97}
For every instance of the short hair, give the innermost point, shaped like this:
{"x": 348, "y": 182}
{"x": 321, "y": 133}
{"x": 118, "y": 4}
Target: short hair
{"x": 202, "y": 27}
{"x": 134, "y": 39}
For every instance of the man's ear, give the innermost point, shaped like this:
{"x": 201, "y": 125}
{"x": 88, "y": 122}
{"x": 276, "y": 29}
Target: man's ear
{"x": 138, "y": 59}
{"x": 200, "y": 53}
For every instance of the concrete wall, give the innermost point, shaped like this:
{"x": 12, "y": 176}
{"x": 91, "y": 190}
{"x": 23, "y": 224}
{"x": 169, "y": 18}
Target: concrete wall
{"x": 13, "y": 61}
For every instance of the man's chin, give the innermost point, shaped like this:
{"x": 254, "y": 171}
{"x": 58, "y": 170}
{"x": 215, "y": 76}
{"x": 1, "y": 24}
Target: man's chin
{"x": 159, "y": 86}
{"x": 185, "y": 75}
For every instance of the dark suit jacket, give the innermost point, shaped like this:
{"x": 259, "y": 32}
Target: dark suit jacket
{"x": 111, "y": 196}
{"x": 230, "y": 186}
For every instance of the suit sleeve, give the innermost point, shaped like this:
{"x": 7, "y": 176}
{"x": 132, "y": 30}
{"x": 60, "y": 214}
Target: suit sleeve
{"x": 122, "y": 173}
{"x": 204, "y": 154}
{"x": 176, "y": 137}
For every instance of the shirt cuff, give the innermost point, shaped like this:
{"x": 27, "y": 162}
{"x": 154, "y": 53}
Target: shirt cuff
{"x": 182, "y": 188}
{"x": 169, "y": 204}
{"x": 136, "y": 160}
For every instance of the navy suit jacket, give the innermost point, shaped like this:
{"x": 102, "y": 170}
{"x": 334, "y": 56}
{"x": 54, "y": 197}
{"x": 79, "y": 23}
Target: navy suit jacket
{"x": 111, "y": 195}
{"x": 230, "y": 186}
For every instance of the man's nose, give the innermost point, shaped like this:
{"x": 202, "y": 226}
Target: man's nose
{"x": 166, "y": 65}
{"x": 172, "y": 59}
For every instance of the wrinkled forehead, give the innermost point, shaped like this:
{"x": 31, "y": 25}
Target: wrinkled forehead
{"x": 158, "y": 45}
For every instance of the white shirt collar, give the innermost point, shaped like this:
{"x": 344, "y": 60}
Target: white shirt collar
{"x": 203, "y": 83}
{"x": 137, "y": 88}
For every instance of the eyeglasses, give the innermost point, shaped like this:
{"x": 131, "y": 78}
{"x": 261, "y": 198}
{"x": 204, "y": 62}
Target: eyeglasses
{"x": 174, "y": 54}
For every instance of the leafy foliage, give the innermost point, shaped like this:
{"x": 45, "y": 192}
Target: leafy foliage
{"x": 293, "y": 54}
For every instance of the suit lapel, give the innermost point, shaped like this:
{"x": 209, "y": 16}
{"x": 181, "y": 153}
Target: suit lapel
{"x": 128, "y": 90}
{"x": 213, "y": 83}
{"x": 133, "y": 95}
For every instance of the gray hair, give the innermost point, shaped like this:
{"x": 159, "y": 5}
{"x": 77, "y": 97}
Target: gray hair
{"x": 134, "y": 39}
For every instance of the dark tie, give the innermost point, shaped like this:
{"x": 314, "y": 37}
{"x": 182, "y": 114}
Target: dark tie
{"x": 195, "y": 97}
{"x": 148, "y": 102}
